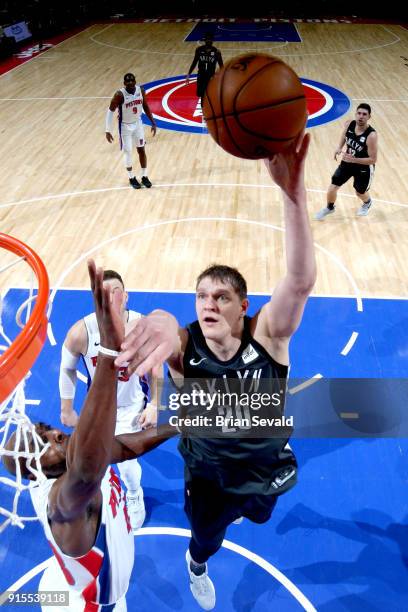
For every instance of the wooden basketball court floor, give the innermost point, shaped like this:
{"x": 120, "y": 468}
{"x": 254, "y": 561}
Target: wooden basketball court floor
{"x": 337, "y": 541}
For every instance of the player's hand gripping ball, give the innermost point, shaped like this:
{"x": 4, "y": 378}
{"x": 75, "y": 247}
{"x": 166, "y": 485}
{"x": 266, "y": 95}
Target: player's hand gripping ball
{"x": 255, "y": 106}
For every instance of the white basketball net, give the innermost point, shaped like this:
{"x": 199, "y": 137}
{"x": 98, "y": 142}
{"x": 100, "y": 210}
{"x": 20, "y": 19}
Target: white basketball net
{"x": 28, "y": 445}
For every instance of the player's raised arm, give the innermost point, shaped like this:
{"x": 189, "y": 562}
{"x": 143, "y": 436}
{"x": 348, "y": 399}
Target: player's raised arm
{"x": 90, "y": 447}
{"x": 282, "y": 315}
{"x": 154, "y": 339}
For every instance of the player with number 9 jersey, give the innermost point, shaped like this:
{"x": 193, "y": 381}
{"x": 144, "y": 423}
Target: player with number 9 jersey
{"x": 130, "y": 101}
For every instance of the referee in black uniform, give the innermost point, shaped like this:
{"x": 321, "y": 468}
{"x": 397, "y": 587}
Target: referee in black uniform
{"x": 230, "y": 474}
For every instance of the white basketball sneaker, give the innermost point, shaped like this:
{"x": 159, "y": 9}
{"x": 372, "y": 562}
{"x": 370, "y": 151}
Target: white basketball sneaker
{"x": 136, "y": 509}
{"x": 201, "y": 587}
{"x": 321, "y": 214}
{"x": 364, "y": 209}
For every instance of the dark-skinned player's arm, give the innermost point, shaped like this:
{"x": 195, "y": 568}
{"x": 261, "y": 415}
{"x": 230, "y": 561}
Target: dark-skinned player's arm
{"x": 116, "y": 101}
{"x": 193, "y": 65}
{"x": 90, "y": 447}
{"x": 148, "y": 112}
{"x": 131, "y": 445}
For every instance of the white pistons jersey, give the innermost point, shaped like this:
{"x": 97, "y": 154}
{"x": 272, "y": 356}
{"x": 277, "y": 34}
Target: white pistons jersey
{"x": 101, "y": 576}
{"x": 131, "y": 109}
{"x": 132, "y": 391}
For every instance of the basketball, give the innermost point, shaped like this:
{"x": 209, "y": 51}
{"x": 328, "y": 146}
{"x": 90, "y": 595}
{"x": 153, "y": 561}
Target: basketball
{"x": 255, "y": 106}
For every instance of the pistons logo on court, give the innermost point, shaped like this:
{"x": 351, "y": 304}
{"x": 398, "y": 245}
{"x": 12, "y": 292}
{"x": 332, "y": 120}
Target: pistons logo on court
{"x": 175, "y": 105}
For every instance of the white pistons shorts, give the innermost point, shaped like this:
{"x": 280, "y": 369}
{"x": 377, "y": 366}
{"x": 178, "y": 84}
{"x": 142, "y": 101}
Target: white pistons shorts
{"x": 131, "y": 134}
{"x": 127, "y": 420}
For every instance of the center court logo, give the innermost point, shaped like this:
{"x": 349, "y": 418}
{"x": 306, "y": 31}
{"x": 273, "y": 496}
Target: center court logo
{"x": 175, "y": 105}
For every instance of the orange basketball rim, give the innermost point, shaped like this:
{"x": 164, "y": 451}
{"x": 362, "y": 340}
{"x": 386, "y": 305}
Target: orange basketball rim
{"x": 17, "y": 360}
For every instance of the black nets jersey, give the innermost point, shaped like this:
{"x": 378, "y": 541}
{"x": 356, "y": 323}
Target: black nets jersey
{"x": 238, "y": 462}
{"x": 207, "y": 58}
{"x": 357, "y": 144}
